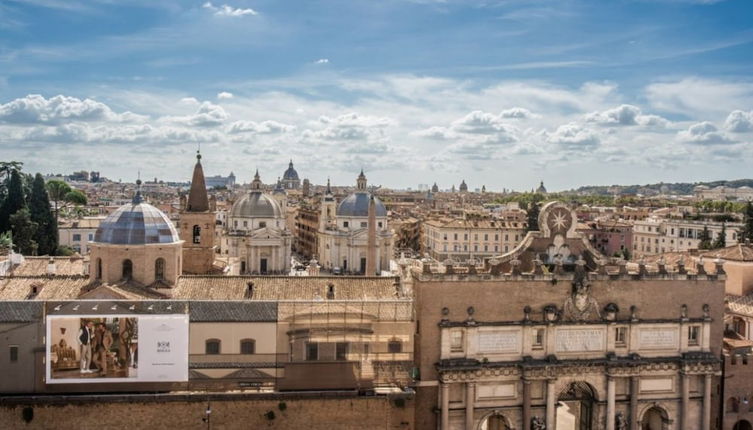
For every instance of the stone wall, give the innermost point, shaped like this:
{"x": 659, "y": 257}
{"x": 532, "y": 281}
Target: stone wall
{"x": 228, "y": 412}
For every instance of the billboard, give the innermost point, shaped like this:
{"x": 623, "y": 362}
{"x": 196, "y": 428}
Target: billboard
{"x": 117, "y": 348}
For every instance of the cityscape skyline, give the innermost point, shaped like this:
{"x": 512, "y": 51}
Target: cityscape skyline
{"x": 510, "y": 93}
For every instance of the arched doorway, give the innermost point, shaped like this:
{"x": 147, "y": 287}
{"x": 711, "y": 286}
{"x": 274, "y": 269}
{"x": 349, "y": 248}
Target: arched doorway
{"x": 742, "y": 425}
{"x": 127, "y": 269}
{"x": 655, "y": 418}
{"x": 575, "y": 407}
{"x": 159, "y": 269}
{"x": 495, "y": 421}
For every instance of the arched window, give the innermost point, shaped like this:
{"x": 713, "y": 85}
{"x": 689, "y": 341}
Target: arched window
{"x": 159, "y": 269}
{"x": 394, "y": 346}
{"x": 212, "y": 346}
{"x": 248, "y": 346}
{"x": 196, "y": 234}
{"x": 98, "y": 269}
{"x": 127, "y": 269}
{"x": 733, "y": 405}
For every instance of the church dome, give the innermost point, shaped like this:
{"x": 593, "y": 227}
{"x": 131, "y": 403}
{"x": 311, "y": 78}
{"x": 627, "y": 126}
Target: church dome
{"x": 136, "y": 223}
{"x": 290, "y": 174}
{"x": 357, "y": 204}
{"x": 256, "y": 205}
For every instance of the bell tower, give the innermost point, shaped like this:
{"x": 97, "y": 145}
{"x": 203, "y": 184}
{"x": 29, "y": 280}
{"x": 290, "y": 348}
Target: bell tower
{"x": 197, "y": 224}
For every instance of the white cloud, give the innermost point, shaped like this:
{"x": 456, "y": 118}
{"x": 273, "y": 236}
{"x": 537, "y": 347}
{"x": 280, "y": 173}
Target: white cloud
{"x": 517, "y": 113}
{"x": 208, "y": 115}
{"x": 574, "y": 136}
{"x": 697, "y": 97}
{"x": 226, "y": 10}
{"x": 34, "y": 108}
{"x": 264, "y": 127}
{"x": 189, "y": 100}
{"x": 739, "y": 122}
{"x": 703, "y": 133}
{"x": 322, "y": 61}
{"x": 224, "y": 95}
{"x": 627, "y": 115}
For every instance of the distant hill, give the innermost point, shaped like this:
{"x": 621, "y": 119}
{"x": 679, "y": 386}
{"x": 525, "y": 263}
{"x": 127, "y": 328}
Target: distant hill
{"x": 681, "y": 188}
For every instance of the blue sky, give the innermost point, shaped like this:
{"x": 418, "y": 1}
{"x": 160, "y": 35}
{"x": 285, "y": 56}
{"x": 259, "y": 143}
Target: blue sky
{"x": 501, "y": 93}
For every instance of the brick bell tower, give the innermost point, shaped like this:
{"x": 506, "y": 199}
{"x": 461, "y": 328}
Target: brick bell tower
{"x": 197, "y": 223}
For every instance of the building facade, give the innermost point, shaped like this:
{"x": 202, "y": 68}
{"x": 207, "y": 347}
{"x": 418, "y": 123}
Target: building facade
{"x": 659, "y": 235}
{"x": 197, "y": 226}
{"x": 461, "y": 239}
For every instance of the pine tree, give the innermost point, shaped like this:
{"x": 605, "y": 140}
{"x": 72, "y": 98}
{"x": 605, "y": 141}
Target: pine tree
{"x": 41, "y": 213}
{"x": 748, "y": 230}
{"x": 24, "y": 231}
{"x": 14, "y": 200}
{"x": 721, "y": 238}
{"x": 704, "y": 239}
{"x": 533, "y": 217}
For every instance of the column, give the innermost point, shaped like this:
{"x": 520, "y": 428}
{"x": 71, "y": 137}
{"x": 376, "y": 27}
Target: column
{"x": 634, "y": 385}
{"x": 706, "y": 424}
{"x": 526, "y": 404}
{"x": 610, "y": 402}
{"x": 470, "y": 399}
{"x": 445, "y": 424}
{"x": 685, "y": 405}
{"x": 551, "y": 404}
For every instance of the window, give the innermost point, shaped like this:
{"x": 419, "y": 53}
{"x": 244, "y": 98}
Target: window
{"x": 77, "y": 238}
{"x": 159, "y": 269}
{"x": 196, "y": 234}
{"x": 248, "y": 346}
{"x": 13, "y": 353}
{"x": 312, "y": 351}
{"x": 620, "y": 336}
{"x": 127, "y": 269}
{"x": 98, "y": 269}
{"x": 456, "y": 340}
{"x": 245, "y": 223}
{"x": 212, "y": 347}
{"x": 456, "y": 236}
{"x": 262, "y": 224}
{"x": 91, "y": 237}
{"x": 693, "y": 334}
{"x": 345, "y": 224}
{"x": 363, "y": 224}
{"x": 341, "y": 351}
{"x": 379, "y": 224}
{"x": 538, "y": 338}
{"x": 394, "y": 346}
{"x": 235, "y": 224}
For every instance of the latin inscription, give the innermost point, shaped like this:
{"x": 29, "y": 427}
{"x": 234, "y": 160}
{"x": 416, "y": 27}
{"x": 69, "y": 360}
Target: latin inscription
{"x": 499, "y": 341}
{"x": 658, "y": 338}
{"x": 580, "y": 340}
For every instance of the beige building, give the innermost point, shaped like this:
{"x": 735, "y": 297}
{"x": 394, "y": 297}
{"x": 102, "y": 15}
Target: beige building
{"x": 197, "y": 225}
{"x": 554, "y": 335}
{"x": 257, "y": 234}
{"x": 344, "y": 232}
{"x": 703, "y": 192}
{"x": 660, "y": 235}
{"x": 78, "y": 233}
{"x": 470, "y": 238}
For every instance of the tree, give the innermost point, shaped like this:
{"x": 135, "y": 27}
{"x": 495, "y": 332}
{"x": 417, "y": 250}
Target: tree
{"x": 721, "y": 238}
{"x": 533, "y": 217}
{"x": 748, "y": 230}
{"x": 14, "y": 200}
{"x": 704, "y": 239}
{"x": 24, "y": 230}
{"x": 57, "y": 191}
{"x": 41, "y": 213}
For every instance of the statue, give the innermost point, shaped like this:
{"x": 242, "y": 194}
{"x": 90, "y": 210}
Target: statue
{"x": 620, "y": 422}
{"x": 580, "y": 306}
{"x": 537, "y": 423}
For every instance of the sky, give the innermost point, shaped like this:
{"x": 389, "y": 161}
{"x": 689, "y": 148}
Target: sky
{"x": 501, "y": 93}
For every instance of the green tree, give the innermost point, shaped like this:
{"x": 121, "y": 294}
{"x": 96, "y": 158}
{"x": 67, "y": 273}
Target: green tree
{"x": 41, "y": 213}
{"x": 533, "y": 217}
{"x": 24, "y": 231}
{"x": 721, "y": 238}
{"x": 76, "y": 197}
{"x": 57, "y": 190}
{"x": 705, "y": 239}
{"x": 14, "y": 200}
{"x": 748, "y": 219}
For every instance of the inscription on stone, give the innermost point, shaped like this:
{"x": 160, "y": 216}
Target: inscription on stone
{"x": 499, "y": 341}
{"x": 580, "y": 340}
{"x": 658, "y": 338}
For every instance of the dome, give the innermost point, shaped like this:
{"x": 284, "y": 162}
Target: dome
{"x": 290, "y": 174}
{"x": 136, "y": 224}
{"x": 357, "y": 204}
{"x": 256, "y": 205}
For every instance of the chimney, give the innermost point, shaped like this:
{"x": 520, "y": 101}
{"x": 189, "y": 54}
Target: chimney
{"x": 371, "y": 243}
{"x": 51, "y": 268}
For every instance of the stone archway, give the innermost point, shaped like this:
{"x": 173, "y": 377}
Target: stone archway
{"x": 742, "y": 425}
{"x": 576, "y": 407}
{"x": 495, "y": 420}
{"x": 655, "y": 418}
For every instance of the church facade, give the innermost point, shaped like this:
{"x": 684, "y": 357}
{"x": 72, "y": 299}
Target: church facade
{"x": 555, "y": 335}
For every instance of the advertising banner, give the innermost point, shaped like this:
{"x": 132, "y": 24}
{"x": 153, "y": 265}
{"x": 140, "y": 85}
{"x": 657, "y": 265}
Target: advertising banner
{"x": 117, "y": 348}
